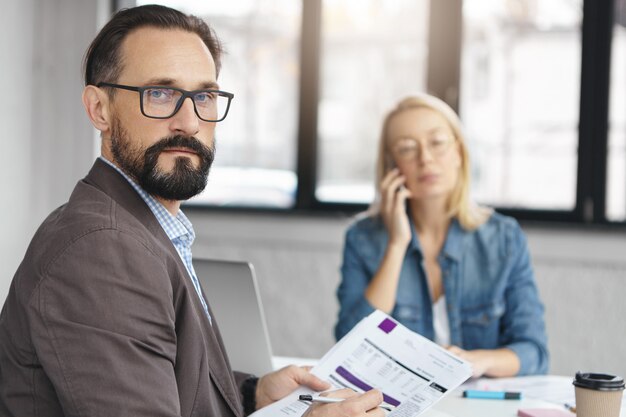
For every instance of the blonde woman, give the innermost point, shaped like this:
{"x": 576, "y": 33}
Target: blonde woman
{"x": 457, "y": 273}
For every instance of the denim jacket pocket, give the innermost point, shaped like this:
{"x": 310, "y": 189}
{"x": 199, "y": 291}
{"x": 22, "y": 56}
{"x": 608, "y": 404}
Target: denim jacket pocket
{"x": 480, "y": 325}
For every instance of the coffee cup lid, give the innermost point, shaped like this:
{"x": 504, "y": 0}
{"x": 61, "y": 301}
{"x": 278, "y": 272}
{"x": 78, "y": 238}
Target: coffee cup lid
{"x": 599, "y": 382}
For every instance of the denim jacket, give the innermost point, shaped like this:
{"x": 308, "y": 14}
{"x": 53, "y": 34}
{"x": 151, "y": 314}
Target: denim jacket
{"x": 490, "y": 289}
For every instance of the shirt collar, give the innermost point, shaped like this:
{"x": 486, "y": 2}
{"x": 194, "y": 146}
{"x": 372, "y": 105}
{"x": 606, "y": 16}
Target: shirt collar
{"x": 174, "y": 226}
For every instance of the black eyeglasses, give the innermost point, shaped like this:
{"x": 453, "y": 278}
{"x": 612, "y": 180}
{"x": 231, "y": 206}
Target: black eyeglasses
{"x": 163, "y": 102}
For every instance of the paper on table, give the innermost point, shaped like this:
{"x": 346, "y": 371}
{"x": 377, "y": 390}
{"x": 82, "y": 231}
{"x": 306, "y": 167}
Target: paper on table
{"x": 412, "y": 372}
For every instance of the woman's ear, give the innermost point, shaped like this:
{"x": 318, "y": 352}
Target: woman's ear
{"x": 96, "y": 102}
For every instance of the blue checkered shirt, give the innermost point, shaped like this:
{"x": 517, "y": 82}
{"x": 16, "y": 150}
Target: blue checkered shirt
{"x": 178, "y": 229}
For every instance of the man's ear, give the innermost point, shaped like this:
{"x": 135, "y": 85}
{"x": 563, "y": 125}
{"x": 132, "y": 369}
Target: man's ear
{"x": 96, "y": 102}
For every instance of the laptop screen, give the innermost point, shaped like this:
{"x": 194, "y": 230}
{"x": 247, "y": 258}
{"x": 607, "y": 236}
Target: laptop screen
{"x": 232, "y": 292}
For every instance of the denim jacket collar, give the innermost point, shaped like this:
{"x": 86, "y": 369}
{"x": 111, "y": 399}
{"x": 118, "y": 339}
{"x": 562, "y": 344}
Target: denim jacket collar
{"x": 453, "y": 246}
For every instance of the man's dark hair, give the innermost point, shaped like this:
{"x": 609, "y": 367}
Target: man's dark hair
{"x": 103, "y": 62}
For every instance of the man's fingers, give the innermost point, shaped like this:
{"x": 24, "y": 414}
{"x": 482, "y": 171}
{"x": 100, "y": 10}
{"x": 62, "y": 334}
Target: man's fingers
{"x": 372, "y": 398}
{"x": 340, "y": 393}
{"x": 304, "y": 377}
{"x": 376, "y": 412}
{"x": 354, "y": 405}
{"x": 369, "y": 400}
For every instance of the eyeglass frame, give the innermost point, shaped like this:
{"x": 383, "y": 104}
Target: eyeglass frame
{"x": 450, "y": 140}
{"x": 185, "y": 94}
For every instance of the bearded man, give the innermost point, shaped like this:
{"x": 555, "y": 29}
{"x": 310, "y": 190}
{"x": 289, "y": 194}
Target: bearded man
{"x": 105, "y": 315}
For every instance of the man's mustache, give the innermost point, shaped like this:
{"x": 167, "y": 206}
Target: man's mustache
{"x": 179, "y": 141}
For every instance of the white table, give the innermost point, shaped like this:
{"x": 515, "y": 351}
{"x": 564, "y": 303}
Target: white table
{"x": 454, "y": 405}
{"x": 543, "y": 391}
{"x": 556, "y": 388}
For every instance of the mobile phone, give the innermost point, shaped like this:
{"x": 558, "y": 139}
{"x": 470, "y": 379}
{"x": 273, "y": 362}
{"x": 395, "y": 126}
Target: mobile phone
{"x": 391, "y": 164}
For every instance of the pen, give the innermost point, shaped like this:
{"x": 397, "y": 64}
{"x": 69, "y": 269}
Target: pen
{"x": 569, "y": 407}
{"x": 318, "y": 399}
{"x": 492, "y": 395}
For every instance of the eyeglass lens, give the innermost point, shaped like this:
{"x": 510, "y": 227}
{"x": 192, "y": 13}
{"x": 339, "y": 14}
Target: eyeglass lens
{"x": 409, "y": 148}
{"x": 163, "y": 102}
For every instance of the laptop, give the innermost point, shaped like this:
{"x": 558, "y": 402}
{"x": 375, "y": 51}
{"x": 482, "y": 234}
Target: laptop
{"x": 232, "y": 292}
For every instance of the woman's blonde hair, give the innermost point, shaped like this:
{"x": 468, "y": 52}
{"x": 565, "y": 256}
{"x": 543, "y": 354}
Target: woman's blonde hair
{"x": 469, "y": 215}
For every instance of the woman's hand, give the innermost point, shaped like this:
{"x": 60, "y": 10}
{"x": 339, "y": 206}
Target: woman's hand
{"x": 392, "y": 208}
{"x": 382, "y": 289}
{"x": 489, "y": 362}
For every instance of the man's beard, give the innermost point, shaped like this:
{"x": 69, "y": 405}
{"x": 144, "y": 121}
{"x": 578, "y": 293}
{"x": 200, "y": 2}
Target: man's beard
{"x": 182, "y": 183}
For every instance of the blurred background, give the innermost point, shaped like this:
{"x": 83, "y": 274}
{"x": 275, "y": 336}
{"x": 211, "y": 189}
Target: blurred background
{"x": 540, "y": 86}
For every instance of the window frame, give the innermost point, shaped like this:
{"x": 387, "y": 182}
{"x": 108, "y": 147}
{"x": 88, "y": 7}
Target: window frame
{"x": 592, "y": 155}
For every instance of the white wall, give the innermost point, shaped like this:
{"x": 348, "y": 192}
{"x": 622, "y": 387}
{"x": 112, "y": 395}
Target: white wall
{"x": 582, "y": 278}
{"x": 47, "y": 140}
{"x": 581, "y": 274}
{"x": 15, "y": 119}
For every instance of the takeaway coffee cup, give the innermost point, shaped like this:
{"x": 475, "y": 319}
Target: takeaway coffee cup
{"x": 598, "y": 395}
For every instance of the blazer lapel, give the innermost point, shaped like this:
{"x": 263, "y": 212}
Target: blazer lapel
{"x": 221, "y": 372}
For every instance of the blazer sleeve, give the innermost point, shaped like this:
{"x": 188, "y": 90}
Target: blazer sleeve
{"x": 247, "y": 384}
{"x": 103, "y": 327}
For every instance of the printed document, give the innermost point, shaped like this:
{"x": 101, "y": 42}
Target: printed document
{"x": 412, "y": 372}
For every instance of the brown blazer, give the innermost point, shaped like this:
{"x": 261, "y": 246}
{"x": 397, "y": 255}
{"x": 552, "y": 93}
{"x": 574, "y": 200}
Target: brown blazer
{"x": 102, "y": 318}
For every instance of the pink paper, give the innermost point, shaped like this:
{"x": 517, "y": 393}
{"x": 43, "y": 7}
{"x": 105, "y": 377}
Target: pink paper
{"x": 544, "y": 412}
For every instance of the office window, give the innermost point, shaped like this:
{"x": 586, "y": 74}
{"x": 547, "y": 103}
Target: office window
{"x": 616, "y": 175}
{"x": 314, "y": 78}
{"x": 373, "y": 53}
{"x": 519, "y": 100}
{"x": 256, "y": 147}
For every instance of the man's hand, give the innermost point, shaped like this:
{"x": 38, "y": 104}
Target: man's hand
{"x": 276, "y": 385}
{"x": 355, "y": 405}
